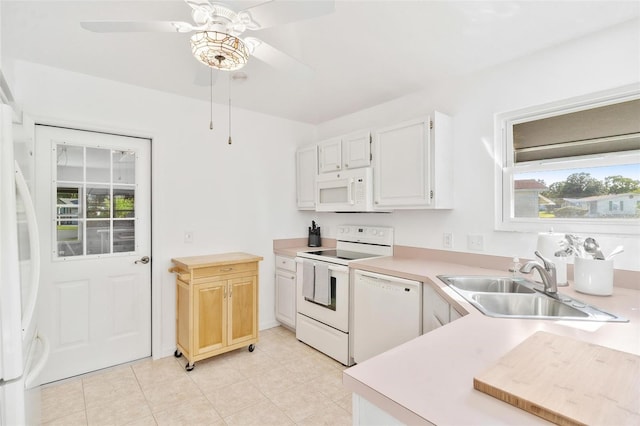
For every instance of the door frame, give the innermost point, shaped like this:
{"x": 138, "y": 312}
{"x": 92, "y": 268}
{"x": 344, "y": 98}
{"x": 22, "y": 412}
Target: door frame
{"x": 156, "y": 279}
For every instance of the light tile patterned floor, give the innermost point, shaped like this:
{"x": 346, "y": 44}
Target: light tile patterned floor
{"x": 282, "y": 382}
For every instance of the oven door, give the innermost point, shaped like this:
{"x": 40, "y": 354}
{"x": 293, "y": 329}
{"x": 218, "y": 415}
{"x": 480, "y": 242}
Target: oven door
{"x": 336, "y": 314}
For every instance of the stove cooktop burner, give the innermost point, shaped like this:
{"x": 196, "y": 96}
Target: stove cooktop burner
{"x": 342, "y": 254}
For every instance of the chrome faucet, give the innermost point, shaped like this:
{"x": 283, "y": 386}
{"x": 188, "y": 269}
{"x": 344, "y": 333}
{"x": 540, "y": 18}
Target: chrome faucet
{"x": 547, "y": 272}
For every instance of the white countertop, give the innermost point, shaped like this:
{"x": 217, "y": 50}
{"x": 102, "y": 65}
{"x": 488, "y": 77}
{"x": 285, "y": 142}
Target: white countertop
{"x": 430, "y": 379}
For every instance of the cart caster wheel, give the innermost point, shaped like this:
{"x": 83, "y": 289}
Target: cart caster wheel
{"x": 177, "y": 354}
{"x": 189, "y": 366}
{"x": 252, "y": 347}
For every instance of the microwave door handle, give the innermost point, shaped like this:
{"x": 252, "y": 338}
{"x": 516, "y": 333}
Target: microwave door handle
{"x": 352, "y": 201}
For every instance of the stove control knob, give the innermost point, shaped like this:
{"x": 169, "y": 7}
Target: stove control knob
{"x": 374, "y": 232}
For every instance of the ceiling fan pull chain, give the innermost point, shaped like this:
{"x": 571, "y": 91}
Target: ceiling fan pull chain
{"x": 229, "y": 109}
{"x": 211, "y": 89}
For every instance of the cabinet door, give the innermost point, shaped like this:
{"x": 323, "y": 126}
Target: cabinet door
{"x": 356, "y": 150}
{"x": 286, "y": 297}
{"x": 243, "y": 309}
{"x": 330, "y": 155}
{"x": 210, "y": 316}
{"x": 401, "y": 158}
{"x": 435, "y": 310}
{"x": 306, "y": 171}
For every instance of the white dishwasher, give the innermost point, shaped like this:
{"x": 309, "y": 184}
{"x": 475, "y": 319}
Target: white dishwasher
{"x": 387, "y": 311}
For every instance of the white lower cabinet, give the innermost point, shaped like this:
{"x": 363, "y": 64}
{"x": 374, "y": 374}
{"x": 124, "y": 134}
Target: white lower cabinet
{"x": 436, "y": 310}
{"x": 367, "y": 414}
{"x": 285, "y": 281}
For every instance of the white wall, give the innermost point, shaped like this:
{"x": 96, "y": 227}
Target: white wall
{"x": 235, "y": 197}
{"x": 598, "y": 62}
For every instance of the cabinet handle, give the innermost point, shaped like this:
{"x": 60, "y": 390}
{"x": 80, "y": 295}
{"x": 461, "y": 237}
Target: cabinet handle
{"x": 226, "y": 269}
{"x": 346, "y": 166}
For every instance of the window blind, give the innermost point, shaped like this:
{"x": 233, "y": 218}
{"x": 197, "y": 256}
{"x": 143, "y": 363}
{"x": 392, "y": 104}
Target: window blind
{"x": 606, "y": 129}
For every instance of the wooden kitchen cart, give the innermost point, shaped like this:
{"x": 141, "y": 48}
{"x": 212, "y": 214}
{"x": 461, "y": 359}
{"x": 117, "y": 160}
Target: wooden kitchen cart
{"x": 216, "y": 304}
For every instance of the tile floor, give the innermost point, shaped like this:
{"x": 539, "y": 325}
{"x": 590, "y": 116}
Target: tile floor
{"x": 282, "y": 382}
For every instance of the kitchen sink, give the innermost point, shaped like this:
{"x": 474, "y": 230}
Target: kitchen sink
{"x": 537, "y": 305}
{"x": 488, "y": 284}
{"x": 515, "y": 297}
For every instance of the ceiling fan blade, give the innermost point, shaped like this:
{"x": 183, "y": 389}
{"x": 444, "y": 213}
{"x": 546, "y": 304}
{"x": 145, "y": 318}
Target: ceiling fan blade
{"x": 278, "y": 59}
{"x": 276, "y": 12}
{"x": 133, "y": 26}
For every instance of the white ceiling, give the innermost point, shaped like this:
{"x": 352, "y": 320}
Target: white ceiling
{"x": 363, "y": 54}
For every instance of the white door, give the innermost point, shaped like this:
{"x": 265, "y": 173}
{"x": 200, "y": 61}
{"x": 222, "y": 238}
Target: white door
{"x": 93, "y": 203}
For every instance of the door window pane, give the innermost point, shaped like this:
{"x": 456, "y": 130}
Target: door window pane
{"x": 123, "y": 202}
{"x": 98, "y": 204}
{"x": 98, "y": 237}
{"x": 124, "y": 167}
{"x": 69, "y": 237}
{"x": 70, "y": 163}
{"x": 68, "y": 206}
{"x": 124, "y": 235}
{"x": 98, "y": 165}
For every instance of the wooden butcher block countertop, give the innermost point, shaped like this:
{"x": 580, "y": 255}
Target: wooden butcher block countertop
{"x": 567, "y": 381}
{"x": 193, "y": 262}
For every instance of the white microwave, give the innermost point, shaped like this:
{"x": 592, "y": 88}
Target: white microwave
{"x": 345, "y": 191}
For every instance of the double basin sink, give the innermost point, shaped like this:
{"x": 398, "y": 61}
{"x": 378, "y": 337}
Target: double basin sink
{"x": 514, "y": 297}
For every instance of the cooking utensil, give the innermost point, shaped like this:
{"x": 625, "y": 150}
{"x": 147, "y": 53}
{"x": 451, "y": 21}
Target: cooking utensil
{"x": 615, "y": 251}
{"x": 575, "y": 245}
{"x": 592, "y": 247}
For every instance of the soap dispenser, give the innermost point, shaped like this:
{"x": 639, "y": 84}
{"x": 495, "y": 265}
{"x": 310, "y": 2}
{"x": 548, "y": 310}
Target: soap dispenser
{"x": 515, "y": 267}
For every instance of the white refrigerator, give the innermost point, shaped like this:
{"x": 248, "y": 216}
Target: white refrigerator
{"x": 23, "y": 352}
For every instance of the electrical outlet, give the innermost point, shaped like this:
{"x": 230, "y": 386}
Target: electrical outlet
{"x": 475, "y": 242}
{"x": 188, "y": 237}
{"x": 447, "y": 240}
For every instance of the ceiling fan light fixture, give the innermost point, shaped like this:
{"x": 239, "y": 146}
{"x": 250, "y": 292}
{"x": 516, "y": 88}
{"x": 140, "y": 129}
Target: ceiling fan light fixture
{"x": 219, "y": 50}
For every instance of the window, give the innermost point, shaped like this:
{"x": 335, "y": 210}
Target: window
{"x": 572, "y": 166}
{"x": 95, "y": 201}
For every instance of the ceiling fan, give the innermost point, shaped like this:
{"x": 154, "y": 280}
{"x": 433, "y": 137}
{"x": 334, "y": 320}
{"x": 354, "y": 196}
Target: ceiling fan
{"x": 218, "y": 39}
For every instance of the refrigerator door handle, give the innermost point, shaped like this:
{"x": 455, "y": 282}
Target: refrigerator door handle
{"x": 37, "y": 369}
{"x": 34, "y": 247}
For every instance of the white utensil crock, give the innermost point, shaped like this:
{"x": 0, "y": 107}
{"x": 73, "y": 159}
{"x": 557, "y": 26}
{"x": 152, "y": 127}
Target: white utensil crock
{"x": 592, "y": 276}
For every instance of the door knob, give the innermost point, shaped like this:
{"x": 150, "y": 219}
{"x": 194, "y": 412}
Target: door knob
{"x": 144, "y": 260}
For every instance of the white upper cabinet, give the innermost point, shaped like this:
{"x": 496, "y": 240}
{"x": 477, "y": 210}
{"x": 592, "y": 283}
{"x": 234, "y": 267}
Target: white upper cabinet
{"x": 413, "y": 164}
{"x": 306, "y": 171}
{"x": 356, "y": 150}
{"x": 330, "y": 155}
{"x": 347, "y": 152}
